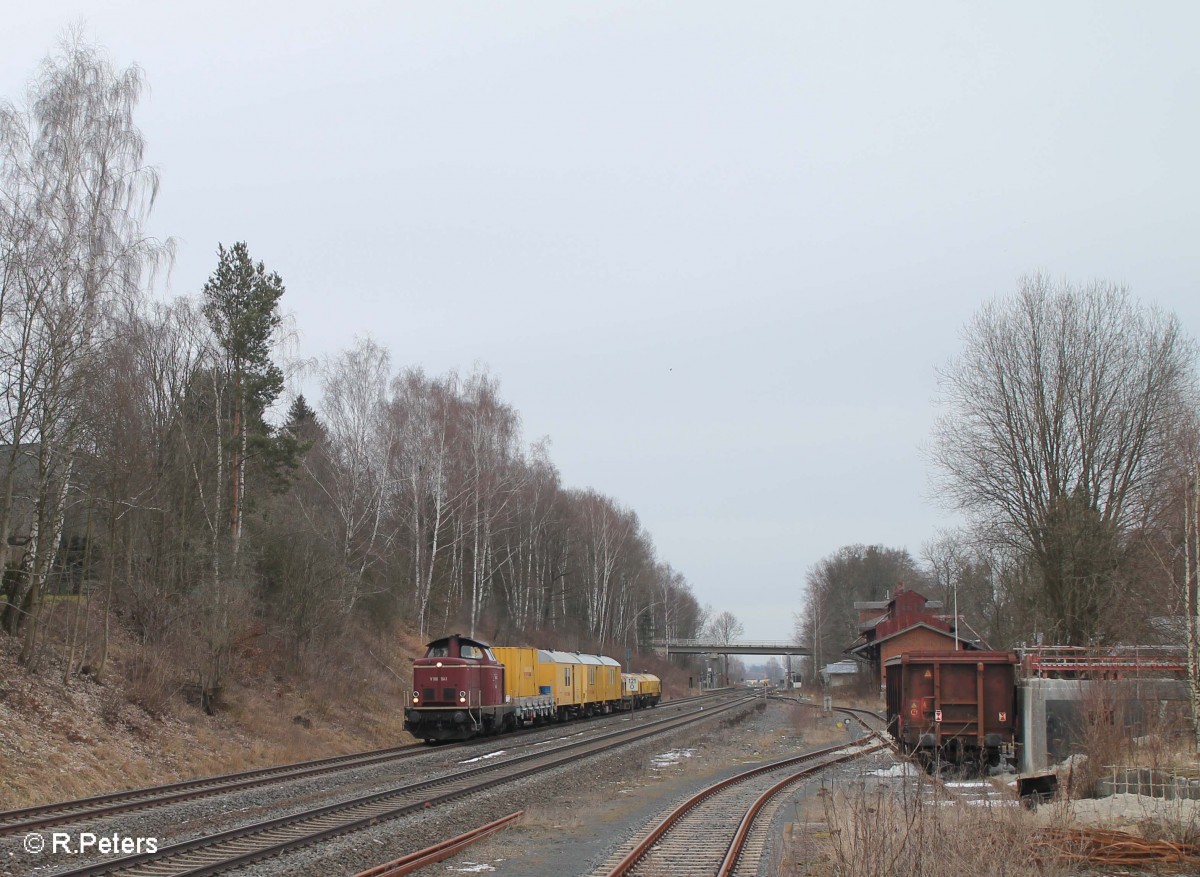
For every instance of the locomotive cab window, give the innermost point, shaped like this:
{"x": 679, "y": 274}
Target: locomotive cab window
{"x": 438, "y": 652}
{"x": 472, "y": 652}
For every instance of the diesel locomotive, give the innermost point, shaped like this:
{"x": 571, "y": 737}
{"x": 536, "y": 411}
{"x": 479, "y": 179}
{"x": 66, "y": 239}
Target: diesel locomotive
{"x": 464, "y": 688}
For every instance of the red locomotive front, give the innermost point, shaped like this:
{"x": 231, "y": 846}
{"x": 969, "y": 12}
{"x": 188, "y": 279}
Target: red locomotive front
{"x": 458, "y": 691}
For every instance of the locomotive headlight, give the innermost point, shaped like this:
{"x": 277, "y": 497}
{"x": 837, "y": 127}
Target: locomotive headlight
{"x": 416, "y": 697}
{"x": 462, "y": 697}
{"x": 439, "y": 663}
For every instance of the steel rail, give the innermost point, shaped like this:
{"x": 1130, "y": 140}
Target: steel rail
{"x": 439, "y": 851}
{"x": 31, "y": 818}
{"x": 194, "y": 858}
{"x": 672, "y": 819}
{"x": 737, "y": 845}
{"x": 127, "y": 800}
{"x": 858, "y": 713}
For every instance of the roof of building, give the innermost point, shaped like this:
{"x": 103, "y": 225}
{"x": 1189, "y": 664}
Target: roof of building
{"x": 866, "y": 646}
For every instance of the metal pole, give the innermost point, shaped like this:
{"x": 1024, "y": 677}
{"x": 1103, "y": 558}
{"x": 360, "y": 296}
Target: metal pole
{"x": 956, "y": 616}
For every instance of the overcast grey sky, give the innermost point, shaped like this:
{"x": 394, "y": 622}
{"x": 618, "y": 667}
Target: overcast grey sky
{"x": 714, "y": 251}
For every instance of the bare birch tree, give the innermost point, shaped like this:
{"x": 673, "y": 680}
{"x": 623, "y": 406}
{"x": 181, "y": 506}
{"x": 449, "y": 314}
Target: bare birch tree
{"x": 423, "y": 412}
{"x": 76, "y": 195}
{"x": 724, "y": 629}
{"x": 528, "y": 578}
{"x": 605, "y": 533}
{"x": 490, "y": 433}
{"x": 1177, "y": 550}
{"x": 361, "y": 442}
{"x": 1191, "y": 588}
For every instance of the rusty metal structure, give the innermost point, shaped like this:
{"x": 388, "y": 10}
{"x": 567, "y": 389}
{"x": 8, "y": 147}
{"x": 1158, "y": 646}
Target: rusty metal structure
{"x": 954, "y": 706}
{"x": 1116, "y": 662}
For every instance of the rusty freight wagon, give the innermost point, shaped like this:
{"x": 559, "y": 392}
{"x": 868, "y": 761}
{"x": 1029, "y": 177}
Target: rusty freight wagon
{"x": 956, "y": 706}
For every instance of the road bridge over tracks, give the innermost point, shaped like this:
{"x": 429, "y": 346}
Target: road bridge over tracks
{"x": 710, "y": 649}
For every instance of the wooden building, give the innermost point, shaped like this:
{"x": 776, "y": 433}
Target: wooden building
{"x": 905, "y": 622}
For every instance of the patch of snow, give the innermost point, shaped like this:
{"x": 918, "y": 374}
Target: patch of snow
{"x": 1069, "y": 764}
{"x": 675, "y": 756}
{"x": 992, "y": 802}
{"x": 901, "y": 769}
{"x": 495, "y": 754}
{"x": 470, "y": 868}
{"x": 1127, "y": 808}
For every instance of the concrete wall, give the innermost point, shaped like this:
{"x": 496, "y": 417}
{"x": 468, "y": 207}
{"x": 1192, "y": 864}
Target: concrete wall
{"x": 1053, "y": 713}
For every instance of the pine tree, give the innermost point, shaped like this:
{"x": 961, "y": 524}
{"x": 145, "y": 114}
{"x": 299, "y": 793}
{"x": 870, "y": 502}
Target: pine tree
{"x": 242, "y": 307}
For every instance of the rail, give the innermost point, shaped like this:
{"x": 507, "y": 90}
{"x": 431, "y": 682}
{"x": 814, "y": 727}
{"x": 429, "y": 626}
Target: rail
{"x": 439, "y": 851}
{"x": 127, "y": 800}
{"x": 58, "y": 813}
{"x": 251, "y": 843}
{"x": 732, "y": 852}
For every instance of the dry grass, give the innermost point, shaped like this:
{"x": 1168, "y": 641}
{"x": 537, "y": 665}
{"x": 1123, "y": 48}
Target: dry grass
{"x": 767, "y": 740}
{"x": 549, "y": 819}
{"x": 1117, "y": 728}
{"x": 885, "y": 830}
{"x": 815, "y": 727}
{"x": 859, "y": 700}
{"x": 134, "y": 727}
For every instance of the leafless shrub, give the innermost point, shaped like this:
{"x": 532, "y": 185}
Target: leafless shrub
{"x": 803, "y": 718}
{"x": 881, "y": 830}
{"x": 1102, "y": 731}
{"x": 1120, "y": 727}
{"x": 150, "y": 684}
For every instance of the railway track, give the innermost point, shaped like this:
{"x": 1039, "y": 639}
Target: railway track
{"x": 66, "y": 812}
{"x": 869, "y": 719}
{"x": 724, "y": 825}
{"x": 253, "y": 842}
{"x": 439, "y": 851}
{"x": 43, "y": 816}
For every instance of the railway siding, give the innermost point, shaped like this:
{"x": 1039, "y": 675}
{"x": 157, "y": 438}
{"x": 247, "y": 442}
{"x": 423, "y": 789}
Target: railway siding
{"x": 698, "y": 836}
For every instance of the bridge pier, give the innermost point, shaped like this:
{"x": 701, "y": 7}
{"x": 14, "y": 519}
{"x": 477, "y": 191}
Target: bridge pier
{"x": 1055, "y": 713}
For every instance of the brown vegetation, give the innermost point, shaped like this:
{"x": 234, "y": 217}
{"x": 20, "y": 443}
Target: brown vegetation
{"x": 167, "y": 532}
{"x": 875, "y": 831}
{"x": 141, "y": 724}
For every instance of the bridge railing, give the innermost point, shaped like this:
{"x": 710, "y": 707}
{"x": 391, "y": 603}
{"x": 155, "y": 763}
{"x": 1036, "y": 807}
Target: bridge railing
{"x": 754, "y": 644}
{"x": 702, "y": 646}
